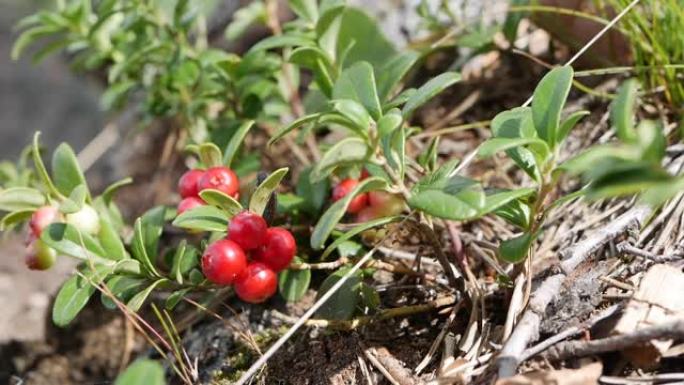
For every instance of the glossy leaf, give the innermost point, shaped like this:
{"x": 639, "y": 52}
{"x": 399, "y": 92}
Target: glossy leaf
{"x": 203, "y": 218}
{"x": 448, "y": 196}
{"x": 74, "y": 295}
{"x": 314, "y": 194}
{"x": 138, "y": 300}
{"x": 342, "y": 304}
{"x": 357, "y": 83}
{"x": 142, "y": 372}
{"x": 651, "y": 140}
{"x": 518, "y": 123}
{"x": 235, "y": 141}
{"x": 569, "y": 123}
{"x": 123, "y": 287}
{"x": 40, "y": 166}
{"x": 497, "y": 199}
{"x": 515, "y": 250}
{"x": 21, "y": 198}
{"x": 304, "y": 120}
{"x": 306, "y": 9}
{"x": 293, "y": 284}
{"x": 75, "y": 201}
{"x": 429, "y": 90}
{"x": 548, "y": 101}
{"x": 66, "y": 172}
{"x": 348, "y": 151}
{"x": 349, "y": 234}
{"x": 262, "y": 194}
{"x": 389, "y": 123}
{"x": 281, "y": 41}
{"x": 356, "y": 114}
{"x": 140, "y": 251}
{"x": 210, "y": 155}
{"x": 66, "y": 239}
{"x": 221, "y": 200}
{"x": 335, "y": 212}
{"x": 394, "y": 71}
{"x": 622, "y": 111}
{"x": 111, "y": 241}
{"x": 494, "y": 145}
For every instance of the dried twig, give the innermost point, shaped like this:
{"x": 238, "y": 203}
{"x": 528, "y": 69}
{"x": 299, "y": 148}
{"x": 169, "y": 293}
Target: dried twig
{"x": 667, "y": 330}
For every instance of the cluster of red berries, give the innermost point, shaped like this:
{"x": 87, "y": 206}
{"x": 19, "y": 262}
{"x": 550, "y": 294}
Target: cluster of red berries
{"x": 194, "y": 181}
{"x": 249, "y": 257}
{"x": 370, "y": 205}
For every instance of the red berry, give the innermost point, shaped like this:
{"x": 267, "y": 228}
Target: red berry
{"x": 248, "y": 230}
{"x": 42, "y": 218}
{"x": 345, "y": 187}
{"x": 364, "y": 174}
{"x": 41, "y": 256}
{"x": 256, "y": 284}
{"x": 368, "y": 214}
{"x": 223, "y": 261}
{"x": 188, "y": 184}
{"x": 278, "y": 250}
{"x": 220, "y": 178}
{"x": 188, "y": 204}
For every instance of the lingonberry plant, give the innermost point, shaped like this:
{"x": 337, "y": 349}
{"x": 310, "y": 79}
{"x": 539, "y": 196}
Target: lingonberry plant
{"x": 360, "y": 91}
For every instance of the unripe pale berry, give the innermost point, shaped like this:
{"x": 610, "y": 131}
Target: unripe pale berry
{"x": 248, "y": 230}
{"x": 40, "y": 256}
{"x": 188, "y": 204}
{"x": 256, "y": 284}
{"x": 42, "y": 218}
{"x": 223, "y": 261}
{"x": 387, "y": 204}
{"x": 85, "y": 220}
{"x": 343, "y": 188}
{"x": 188, "y": 184}
{"x": 222, "y": 179}
{"x": 278, "y": 250}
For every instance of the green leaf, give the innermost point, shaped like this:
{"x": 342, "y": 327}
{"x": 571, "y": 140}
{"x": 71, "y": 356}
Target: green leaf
{"x": 292, "y": 126}
{"x": 369, "y": 296}
{"x": 184, "y": 259}
{"x": 357, "y": 83}
{"x": 627, "y": 179}
{"x": 569, "y": 123}
{"x": 123, "y": 287}
{"x": 75, "y": 201}
{"x": 15, "y": 217}
{"x": 153, "y": 225}
{"x": 355, "y": 112}
{"x": 429, "y": 90}
{"x": 389, "y": 123}
{"x": 515, "y": 212}
{"x": 245, "y": 17}
{"x": 74, "y": 295}
{"x": 358, "y": 230}
{"x": 332, "y": 216}
{"x": 622, "y": 111}
{"x": 500, "y": 198}
{"x": 394, "y": 71}
{"x": 281, "y": 41}
{"x": 262, "y": 194}
{"x": 142, "y": 372}
{"x": 235, "y": 141}
{"x": 342, "y": 304}
{"x": 66, "y": 172}
{"x": 111, "y": 241}
{"x": 314, "y": 194}
{"x": 515, "y": 250}
{"x": 221, "y": 200}
{"x": 510, "y": 26}
{"x": 491, "y": 146}
{"x": 448, "y": 196}
{"x": 139, "y": 250}
{"x": 21, "y": 198}
{"x": 293, "y": 284}
{"x": 305, "y": 9}
{"x": 203, "y": 218}
{"x": 174, "y": 298}
{"x": 651, "y": 140}
{"x": 210, "y": 155}
{"x": 394, "y": 149}
{"x": 109, "y": 192}
{"x": 348, "y": 151}
{"x": 66, "y": 239}
{"x": 518, "y": 123}
{"x": 548, "y": 101}
{"x": 40, "y": 166}
{"x": 137, "y": 301}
